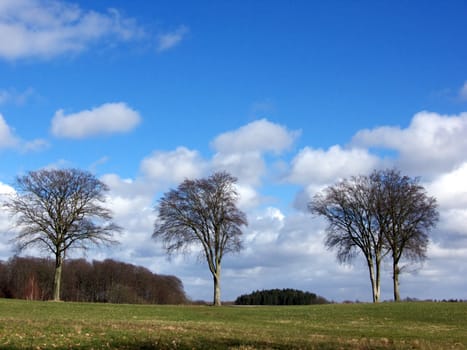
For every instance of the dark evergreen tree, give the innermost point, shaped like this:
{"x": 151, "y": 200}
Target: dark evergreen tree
{"x": 280, "y": 297}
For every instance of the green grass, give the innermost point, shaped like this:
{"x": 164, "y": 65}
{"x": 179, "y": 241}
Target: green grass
{"x": 49, "y": 325}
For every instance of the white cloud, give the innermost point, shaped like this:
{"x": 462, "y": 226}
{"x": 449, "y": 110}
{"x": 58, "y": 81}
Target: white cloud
{"x": 173, "y": 167}
{"x": 106, "y": 119}
{"x": 131, "y": 202}
{"x": 248, "y": 197}
{"x": 6, "y": 190}
{"x": 5, "y": 221}
{"x": 317, "y": 166}
{"x": 450, "y": 189}
{"x": 444, "y": 267}
{"x": 451, "y": 227}
{"x": 169, "y": 40}
{"x": 284, "y": 247}
{"x": 431, "y": 144}
{"x": 48, "y": 28}
{"x": 247, "y": 167}
{"x": 7, "y": 138}
{"x": 240, "y": 152}
{"x": 126, "y": 187}
{"x": 258, "y": 136}
{"x": 286, "y": 251}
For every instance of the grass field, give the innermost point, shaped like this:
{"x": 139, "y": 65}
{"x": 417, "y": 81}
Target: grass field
{"x": 49, "y": 325}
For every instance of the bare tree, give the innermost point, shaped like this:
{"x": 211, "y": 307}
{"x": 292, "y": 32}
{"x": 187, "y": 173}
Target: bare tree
{"x": 202, "y": 212}
{"x": 406, "y": 214}
{"x": 352, "y": 228}
{"x": 383, "y": 213}
{"x": 60, "y": 209}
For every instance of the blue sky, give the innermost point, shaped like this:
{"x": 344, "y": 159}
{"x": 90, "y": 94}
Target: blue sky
{"x": 289, "y": 96}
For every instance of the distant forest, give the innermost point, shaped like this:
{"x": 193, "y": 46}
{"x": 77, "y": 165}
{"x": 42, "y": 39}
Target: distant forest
{"x": 280, "y": 297}
{"x": 107, "y": 281}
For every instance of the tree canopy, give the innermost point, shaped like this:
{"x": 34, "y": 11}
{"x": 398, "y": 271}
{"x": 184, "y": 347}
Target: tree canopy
{"x": 406, "y": 214}
{"x": 285, "y": 296}
{"x": 202, "y": 213}
{"x": 107, "y": 281}
{"x": 374, "y": 215}
{"x": 60, "y": 209}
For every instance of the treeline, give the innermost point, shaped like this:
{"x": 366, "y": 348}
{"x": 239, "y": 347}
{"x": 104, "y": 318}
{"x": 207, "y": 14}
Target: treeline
{"x": 280, "y": 297}
{"x": 107, "y": 281}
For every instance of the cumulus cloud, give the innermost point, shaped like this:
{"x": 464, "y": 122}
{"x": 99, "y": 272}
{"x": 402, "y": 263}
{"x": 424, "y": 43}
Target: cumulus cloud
{"x": 318, "y": 166}
{"x": 431, "y": 144}
{"x": 434, "y": 147}
{"x": 258, "y": 136}
{"x": 126, "y": 187}
{"x": 174, "y": 166}
{"x": 248, "y": 197}
{"x": 5, "y": 190}
{"x": 44, "y": 28}
{"x": 286, "y": 251}
{"x": 279, "y": 240}
{"x": 160, "y": 170}
{"x": 443, "y": 268}
{"x": 169, "y": 40}
{"x": 241, "y": 151}
{"x": 450, "y": 188}
{"x": 106, "y": 119}
{"x": 131, "y": 202}
{"x": 284, "y": 247}
{"x": 5, "y": 220}
{"x": 7, "y": 138}
{"x": 247, "y": 167}
{"x": 274, "y": 237}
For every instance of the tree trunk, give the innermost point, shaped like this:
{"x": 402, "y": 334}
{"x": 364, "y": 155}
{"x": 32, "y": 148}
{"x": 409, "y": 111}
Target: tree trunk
{"x": 395, "y": 278}
{"x": 217, "y": 286}
{"x": 378, "y": 279}
{"x": 58, "y": 277}
{"x": 374, "y": 281}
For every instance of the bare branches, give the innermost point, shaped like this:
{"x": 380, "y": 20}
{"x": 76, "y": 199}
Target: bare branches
{"x": 61, "y": 209}
{"x": 351, "y": 226}
{"x": 350, "y": 229}
{"x": 204, "y": 212}
{"x": 61, "y": 206}
{"x": 378, "y": 214}
{"x": 407, "y": 214}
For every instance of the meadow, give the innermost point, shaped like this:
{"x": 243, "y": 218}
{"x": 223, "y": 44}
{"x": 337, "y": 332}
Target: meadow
{"x": 57, "y": 325}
